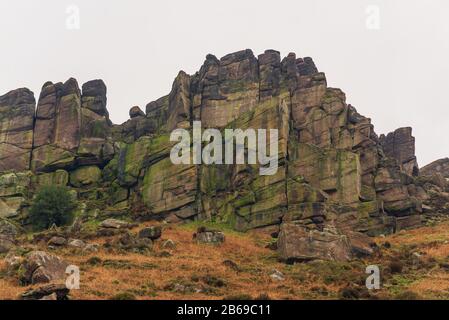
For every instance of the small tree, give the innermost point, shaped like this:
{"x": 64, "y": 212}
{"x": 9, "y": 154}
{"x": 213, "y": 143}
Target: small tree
{"x": 52, "y": 205}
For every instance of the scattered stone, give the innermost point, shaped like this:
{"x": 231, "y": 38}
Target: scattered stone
{"x": 204, "y": 235}
{"x": 168, "y": 244}
{"x": 76, "y": 243}
{"x": 277, "y": 275}
{"x": 57, "y": 242}
{"x": 130, "y": 242}
{"x": 108, "y": 232}
{"x": 91, "y": 248}
{"x": 42, "y": 267}
{"x": 115, "y": 224}
{"x": 48, "y": 292}
{"x": 153, "y": 233}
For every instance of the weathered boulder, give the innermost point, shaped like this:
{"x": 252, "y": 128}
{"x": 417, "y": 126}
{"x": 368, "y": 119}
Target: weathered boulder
{"x": 115, "y": 224}
{"x": 91, "y": 248}
{"x": 57, "y": 241}
{"x": 204, "y": 235}
{"x": 47, "y": 292}
{"x": 130, "y": 242}
{"x": 76, "y": 243}
{"x": 42, "y": 267}
{"x": 153, "y": 232}
{"x": 297, "y": 243}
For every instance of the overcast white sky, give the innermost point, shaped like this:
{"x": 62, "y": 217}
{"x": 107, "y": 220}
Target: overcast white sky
{"x": 397, "y": 74}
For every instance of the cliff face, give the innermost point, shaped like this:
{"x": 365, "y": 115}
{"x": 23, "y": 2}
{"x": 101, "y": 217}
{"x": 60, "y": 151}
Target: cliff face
{"x": 334, "y": 173}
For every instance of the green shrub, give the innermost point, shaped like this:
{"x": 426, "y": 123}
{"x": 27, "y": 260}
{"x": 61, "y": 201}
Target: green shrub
{"x": 52, "y": 205}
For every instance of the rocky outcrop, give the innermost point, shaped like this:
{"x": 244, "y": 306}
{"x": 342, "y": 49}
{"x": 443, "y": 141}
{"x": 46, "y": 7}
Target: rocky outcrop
{"x": 58, "y": 122}
{"x": 335, "y": 174}
{"x": 72, "y": 129}
{"x": 400, "y": 145}
{"x": 440, "y": 166}
{"x": 432, "y": 188}
{"x": 16, "y": 129}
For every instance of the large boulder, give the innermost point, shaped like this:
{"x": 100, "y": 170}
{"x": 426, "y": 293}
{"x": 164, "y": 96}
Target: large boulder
{"x": 297, "y": 243}
{"x": 42, "y": 267}
{"x": 204, "y": 235}
{"x": 153, "y": 233}
{"x": 47, "y": 292}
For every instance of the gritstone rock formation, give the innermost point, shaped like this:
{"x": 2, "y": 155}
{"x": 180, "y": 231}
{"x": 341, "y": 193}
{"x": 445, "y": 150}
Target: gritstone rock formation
{"x": 336, "y": 178}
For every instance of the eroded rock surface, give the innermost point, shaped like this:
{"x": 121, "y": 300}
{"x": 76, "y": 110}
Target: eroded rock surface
{"x": 42, "y": 267}
{"x": 334, "y": 173}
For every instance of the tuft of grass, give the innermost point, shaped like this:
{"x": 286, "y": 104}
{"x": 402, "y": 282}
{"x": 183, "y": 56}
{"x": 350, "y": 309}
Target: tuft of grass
{"x": 124, "y": 296}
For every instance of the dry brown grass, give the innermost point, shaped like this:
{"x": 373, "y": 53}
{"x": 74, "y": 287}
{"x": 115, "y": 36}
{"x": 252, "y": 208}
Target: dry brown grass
{"x": 147, "y": 276}
{"x": 150, "y": 276}
{"x": 422, "y": 235}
